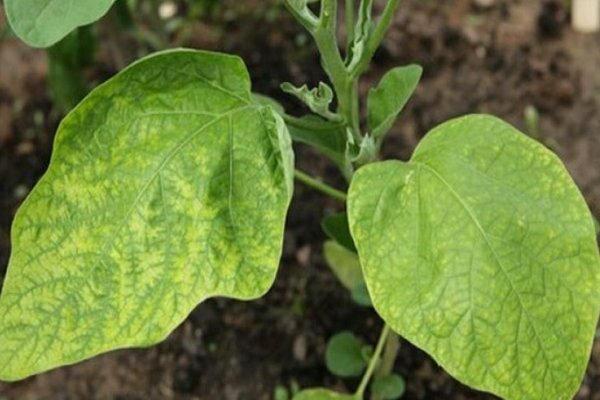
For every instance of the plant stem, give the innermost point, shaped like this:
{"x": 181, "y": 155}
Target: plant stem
{"x": 372, "y": 363}
{"x": 326, "y": 39}
{"x": 354, "y": 107}
{"x": 344, "y": 78}
{"x": 349, "y": 22}
{"x": 333, "y": 63}
{"x": 387, "y": 359}
{"x": 304, "y": 16}
{"x": 345, "y": 86}
{"x": 376, "y": 38}
{"x": 320, "y": 186}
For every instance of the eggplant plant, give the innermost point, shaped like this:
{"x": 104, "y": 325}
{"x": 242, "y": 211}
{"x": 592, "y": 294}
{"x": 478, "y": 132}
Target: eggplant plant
{"x": 170, "y": 183}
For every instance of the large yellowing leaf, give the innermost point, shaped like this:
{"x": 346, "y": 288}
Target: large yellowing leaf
{"x": 167, "y": 186}
{"x": 482, "y": 252}
{"x": 41, "y": 23}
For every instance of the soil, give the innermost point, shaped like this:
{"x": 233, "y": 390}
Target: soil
{"x": 496, "y": 57}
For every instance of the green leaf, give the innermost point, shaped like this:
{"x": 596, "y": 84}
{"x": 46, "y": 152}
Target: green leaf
{"x": 317, "y": 99}
{"x": 344, "y": 264}
{"x": 326, "y": 136}
{"x": 167, "y": 185}
{"x": 346, "y": 267}
{"x": 43, "y": 23}
{"x": 336, "y": 227}
{"x": 390, "y": 387}
{"x": 268, "y": 101}
{"x": 366, "y": 352}
{"x": 481, "y": 251}
{"x": 360, "y": 295}
{"x": 281, "y": 393}
{"x": 343, "y": 355}
{"x": 362, "y": 32}
{"x": 67, "y": 61}
{"x": 322, "y": 394}
{"x": 387, "y": 100}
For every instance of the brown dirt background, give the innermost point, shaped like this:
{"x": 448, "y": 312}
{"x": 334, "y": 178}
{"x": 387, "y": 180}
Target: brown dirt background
{"x": 495, "y": 59}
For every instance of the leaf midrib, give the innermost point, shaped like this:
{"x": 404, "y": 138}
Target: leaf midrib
{"x": 37, "y": 18}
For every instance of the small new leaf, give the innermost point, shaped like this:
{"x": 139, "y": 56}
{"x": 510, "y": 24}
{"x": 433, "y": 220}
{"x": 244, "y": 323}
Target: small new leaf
{"x": 362, "y": 32}
{"x": 344, "y": 356}
{"x": 390, "y": 387}
{"x": 43, "y": 23}
{"x": 482, "y": 251}
{"x": 316, "y": 99}
{"x": 167, "y": 185}
{"x": 322, "y": 394}
{"x": 366, "y": 151}
{"x": 387, "y": 100}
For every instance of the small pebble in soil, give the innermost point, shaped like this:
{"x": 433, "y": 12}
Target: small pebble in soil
{"x": 484, "y": 3}
{"x": 303, "y": 255}
{"x": 20, "y": 192}
{"x": 25, "y": 148}
{"x": 167, "y": 10}
{"x": 300, "y": 348}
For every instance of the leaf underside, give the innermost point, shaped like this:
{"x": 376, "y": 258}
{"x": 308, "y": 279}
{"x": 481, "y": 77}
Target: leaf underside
{"x": 41, "y": 23}
{"x": 482, "y": 252}
{"x": 167, "y": 186}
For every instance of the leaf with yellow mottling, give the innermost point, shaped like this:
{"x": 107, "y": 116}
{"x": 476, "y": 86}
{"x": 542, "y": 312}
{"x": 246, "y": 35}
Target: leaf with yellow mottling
{"x": 167, "y": 185}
